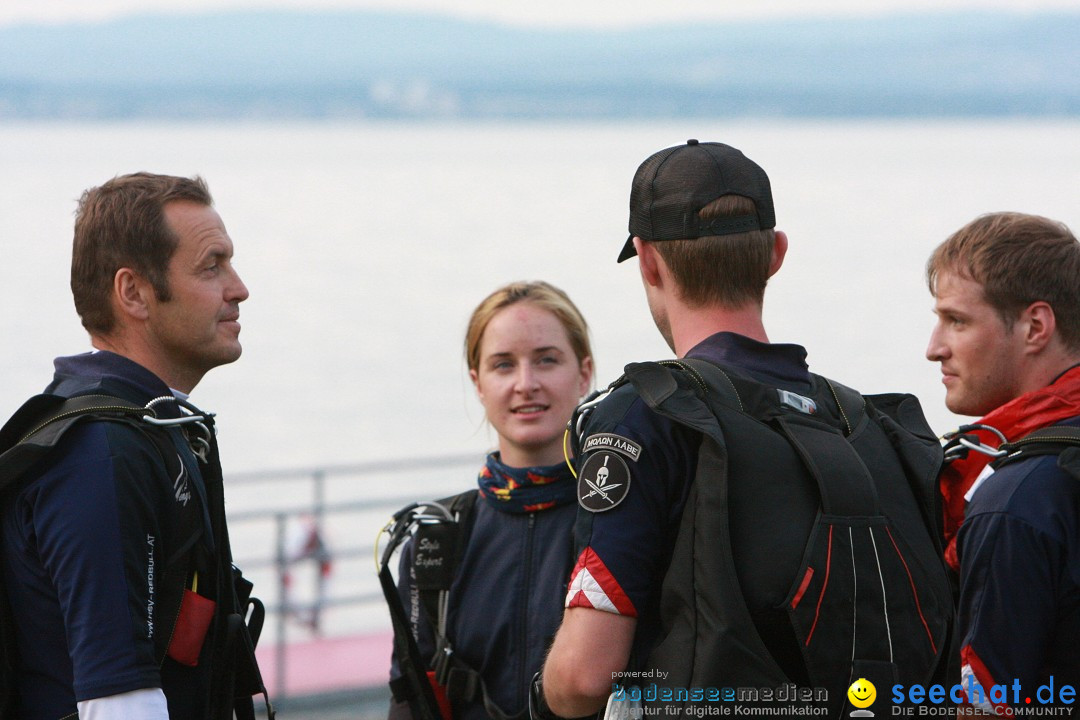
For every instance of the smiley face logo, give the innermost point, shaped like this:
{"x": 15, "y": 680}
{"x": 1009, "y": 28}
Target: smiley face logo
{"x": 862, "y": 693}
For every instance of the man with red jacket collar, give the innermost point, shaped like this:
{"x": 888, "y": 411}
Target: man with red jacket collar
{"x": 1007, "y": 298}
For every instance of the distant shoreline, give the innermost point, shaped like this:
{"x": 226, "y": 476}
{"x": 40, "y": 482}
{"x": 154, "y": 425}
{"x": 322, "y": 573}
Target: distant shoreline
{"x": 380, "y": 65}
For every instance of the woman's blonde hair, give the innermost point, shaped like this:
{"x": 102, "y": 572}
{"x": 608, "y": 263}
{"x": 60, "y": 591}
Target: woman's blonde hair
{"x": 539, "y": 293}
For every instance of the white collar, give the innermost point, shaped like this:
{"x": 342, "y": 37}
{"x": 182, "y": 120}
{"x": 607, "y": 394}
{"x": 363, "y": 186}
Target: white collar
{"x": 979, "y": 480}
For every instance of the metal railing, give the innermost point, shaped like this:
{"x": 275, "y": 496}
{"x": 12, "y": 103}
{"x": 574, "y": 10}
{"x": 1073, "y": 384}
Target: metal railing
{"x": 349, "y": 498}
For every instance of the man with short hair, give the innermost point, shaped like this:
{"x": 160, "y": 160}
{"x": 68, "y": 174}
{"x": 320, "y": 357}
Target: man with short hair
{"x": 731, "y": 502}
{"x": 1007, "y": 297}
{"x": 116, "y": 563}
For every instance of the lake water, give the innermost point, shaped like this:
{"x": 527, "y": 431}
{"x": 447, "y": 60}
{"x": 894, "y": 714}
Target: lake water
{"x": 366, "y": 246}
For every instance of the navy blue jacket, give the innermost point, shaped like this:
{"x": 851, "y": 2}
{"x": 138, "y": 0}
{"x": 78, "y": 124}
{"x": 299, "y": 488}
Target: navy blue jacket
{"x": 1019, "y": 552}
{"x": 85, "y": 541}
{"x": 627, "y": 551}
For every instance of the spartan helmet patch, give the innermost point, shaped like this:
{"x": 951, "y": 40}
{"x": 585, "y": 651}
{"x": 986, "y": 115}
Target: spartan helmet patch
{"x": 603, "y": 482}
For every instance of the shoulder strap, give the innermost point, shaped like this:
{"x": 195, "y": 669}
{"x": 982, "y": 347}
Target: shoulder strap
{"x": 239, "y": 677}
{"x": 744, "y": 394}
{"x": 683, "y": 390}
{"x": 437, "y": 555}
{"x": 43, "y": 420}
{"x": 461, "y": 508}
{"x": 851, "y": 403}
{"x": 438, "y": 550}
{"x": 412, "y": 686}
{"x": 920, "y": 451}
{"x": 843, "y": 480}
{"x": 38, "y": 425}
{"x": 434, "y": 535}
{"x": 25, "y": 439}
{"x": 1061, "y": 440}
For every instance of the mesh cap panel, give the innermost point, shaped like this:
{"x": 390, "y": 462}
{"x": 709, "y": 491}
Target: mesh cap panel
{"x": 672, "y": 186}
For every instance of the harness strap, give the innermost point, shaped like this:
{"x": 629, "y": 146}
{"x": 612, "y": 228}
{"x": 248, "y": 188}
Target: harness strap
{"x": 413, "y": 685}
{"x": 1049, "y": 440}
{"x": 37, "y": 427}
{"x": 437, "y": 552}
{"x": 842, "y": 477}
{"x": 851, "y": 539}
{"x": 24, "y": 440}
{"x": 844, "y": 482}
{"x": 462, "y": 682}
{"x": 1060, "y": 440}
{"x": 234, "y": 592}
{"x": 438, "y": 548}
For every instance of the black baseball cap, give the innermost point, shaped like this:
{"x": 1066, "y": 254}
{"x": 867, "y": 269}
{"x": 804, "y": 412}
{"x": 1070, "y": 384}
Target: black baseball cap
{"x": 671, "y": 186}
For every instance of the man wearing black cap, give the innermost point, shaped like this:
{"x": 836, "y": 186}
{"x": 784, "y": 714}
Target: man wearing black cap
{"x": 734, "y": 505}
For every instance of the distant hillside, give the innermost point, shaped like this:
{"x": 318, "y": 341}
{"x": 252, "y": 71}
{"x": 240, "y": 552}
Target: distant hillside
{"x": 364, "y": 64}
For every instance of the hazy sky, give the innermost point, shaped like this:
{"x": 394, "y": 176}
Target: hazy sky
{"x": 610, "y": 13}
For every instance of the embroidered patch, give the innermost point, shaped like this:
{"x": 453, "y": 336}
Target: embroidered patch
{"x": 609, "y": 441}
{"x": 603, "y": 482}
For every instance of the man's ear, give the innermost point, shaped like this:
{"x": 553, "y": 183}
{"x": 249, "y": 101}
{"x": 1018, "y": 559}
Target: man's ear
{"x": 649, "y": 262}
{"x": 780, "y": 246}
{"x": 1039, "y": 325}
{"x": 132, "y": 294}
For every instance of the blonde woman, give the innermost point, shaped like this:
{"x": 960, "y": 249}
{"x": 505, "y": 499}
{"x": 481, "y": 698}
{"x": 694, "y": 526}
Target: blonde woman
{"x": 527, "y": 349}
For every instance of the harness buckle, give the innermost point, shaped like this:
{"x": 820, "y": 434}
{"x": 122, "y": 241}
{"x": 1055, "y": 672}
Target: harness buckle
{"x": 442, "y": 663}
{"x": 960, "y": 441}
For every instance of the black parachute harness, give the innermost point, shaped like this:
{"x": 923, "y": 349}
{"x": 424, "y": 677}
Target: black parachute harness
{"x": 841, "y": 440}
{"x": 193, "y": 423}
{"x": 1062, "y": 440}
{"x": 60, "y": 414}
{"x": 413, "y": 685}
{"x": 575, "y": 427}
{"x": 959, "y": 442}
{"x": 38, "y": 426}
{"x": 440, "y": 532}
